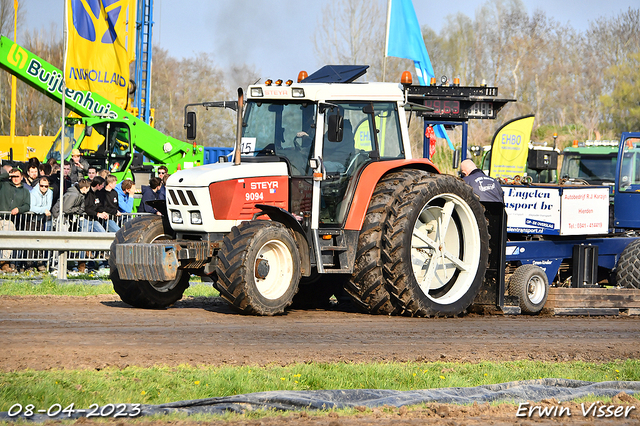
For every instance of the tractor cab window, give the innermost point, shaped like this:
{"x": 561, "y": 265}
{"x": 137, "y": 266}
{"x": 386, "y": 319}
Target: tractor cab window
{"x": 344, "y": 158}
{"x": 283, "y": 129}
{"x": 113, "y": 141}
{"x": 630, "y": 166}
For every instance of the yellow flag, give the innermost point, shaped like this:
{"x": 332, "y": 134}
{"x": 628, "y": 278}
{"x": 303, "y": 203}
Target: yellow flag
{"x": 97, "y": 58}
{"x": 510, "y": 148}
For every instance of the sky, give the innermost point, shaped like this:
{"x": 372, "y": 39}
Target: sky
{"x": 275, "y": 36}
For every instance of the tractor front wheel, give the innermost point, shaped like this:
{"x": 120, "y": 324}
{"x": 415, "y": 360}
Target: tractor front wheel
{"x": 258, "y": 267}
{"x": 146, "y": 294}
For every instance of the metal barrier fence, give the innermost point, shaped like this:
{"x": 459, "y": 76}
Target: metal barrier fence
{"x": 34, "y": 240}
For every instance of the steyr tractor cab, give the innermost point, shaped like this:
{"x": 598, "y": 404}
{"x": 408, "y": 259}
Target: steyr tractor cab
{"x": 322, "y": 183}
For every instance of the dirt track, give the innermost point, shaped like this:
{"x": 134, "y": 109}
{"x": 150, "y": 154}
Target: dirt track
{"x": 44, "y": 332}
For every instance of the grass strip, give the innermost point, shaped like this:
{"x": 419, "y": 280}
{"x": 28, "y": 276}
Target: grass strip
{"x": 159, "y": 385}
{"x": 51, "y": 286}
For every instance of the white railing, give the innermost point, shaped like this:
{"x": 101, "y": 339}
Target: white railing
{"x": 30, "y": 238}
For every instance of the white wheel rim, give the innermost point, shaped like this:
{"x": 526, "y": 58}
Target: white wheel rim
{"x": 280, "y": 261}
{"x": 436, "y": 249}
{"x": 535, "y": 289}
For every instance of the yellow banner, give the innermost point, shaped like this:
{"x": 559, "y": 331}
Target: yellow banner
{"x": 510, "y": 148}
{"x": 97, "y": 58}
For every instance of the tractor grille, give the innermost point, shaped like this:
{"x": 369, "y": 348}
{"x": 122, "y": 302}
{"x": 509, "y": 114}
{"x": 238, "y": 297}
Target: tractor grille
{"x": 181, "y": 197}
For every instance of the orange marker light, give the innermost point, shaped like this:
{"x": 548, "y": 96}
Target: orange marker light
{"x": 302, "y": 75}
{"x": 289, "y": 82}
{"x": 575, "y": 143}
{"x": 406, "y": 78}
{"x": 268, "y": 82}
{"x": 433, "y": 81}
{"x": 279, "y": 82}
{"x": 456, "y": 81}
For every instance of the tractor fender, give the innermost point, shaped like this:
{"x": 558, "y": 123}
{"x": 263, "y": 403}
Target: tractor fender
{"x": 282, "y": 216}
{"x": 368, "y": 180}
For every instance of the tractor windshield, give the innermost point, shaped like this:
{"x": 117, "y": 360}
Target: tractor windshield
{"x": 285, "y": 129}
{"x": 595, "y": 169}
{"x": 630, "y": 166}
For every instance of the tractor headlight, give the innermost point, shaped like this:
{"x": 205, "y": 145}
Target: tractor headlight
{"x": 176, "y": 217}
{"x": 196, "y": 218}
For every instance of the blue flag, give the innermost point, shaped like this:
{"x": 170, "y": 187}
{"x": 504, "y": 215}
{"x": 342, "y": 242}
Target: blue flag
{"x": 404, "y": 40}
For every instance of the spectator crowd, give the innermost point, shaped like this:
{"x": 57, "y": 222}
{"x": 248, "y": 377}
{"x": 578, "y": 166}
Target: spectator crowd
{"x": 92, "y": 200}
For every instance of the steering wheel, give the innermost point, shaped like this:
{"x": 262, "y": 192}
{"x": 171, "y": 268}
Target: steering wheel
{"x": 355, "y": 162}
{"x": 300, "y": 136}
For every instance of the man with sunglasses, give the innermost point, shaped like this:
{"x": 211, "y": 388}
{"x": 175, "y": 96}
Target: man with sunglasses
{"x": 14, "y": 200}
{"x": 163, "y": 174}
{"x": 41, "y": 200}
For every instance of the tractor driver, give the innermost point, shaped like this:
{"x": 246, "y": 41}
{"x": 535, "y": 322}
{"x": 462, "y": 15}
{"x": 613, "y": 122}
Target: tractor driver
{"x": 338, "y": 155}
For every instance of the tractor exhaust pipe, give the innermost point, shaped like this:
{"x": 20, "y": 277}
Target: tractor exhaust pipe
{"x": 236, "y": 155}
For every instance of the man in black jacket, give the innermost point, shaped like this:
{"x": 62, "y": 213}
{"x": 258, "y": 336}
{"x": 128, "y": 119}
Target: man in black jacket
{"x": 93, "y": 206}
{"x": 110, "y": 203}
{"x": 150, "y": 193}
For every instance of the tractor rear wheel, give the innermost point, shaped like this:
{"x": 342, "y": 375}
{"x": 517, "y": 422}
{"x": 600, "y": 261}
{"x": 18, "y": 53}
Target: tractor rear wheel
{"x": 628, "y": 268}
{"x": 436, "y": 246}
{"x": 146, "y": 294}
{"x": 258, "y": 267}
{"x": 529, "y": 282}
{"x": 367, "y": 285}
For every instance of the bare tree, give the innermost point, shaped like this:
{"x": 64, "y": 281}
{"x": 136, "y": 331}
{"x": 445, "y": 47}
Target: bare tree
{"x": 348, "y": 33}
{"x": 191, "y": 80}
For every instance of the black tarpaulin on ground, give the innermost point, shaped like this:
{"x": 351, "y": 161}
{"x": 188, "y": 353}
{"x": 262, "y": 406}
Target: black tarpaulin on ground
{"x": 520, "y": 391}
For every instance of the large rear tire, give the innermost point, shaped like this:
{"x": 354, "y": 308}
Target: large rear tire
{"x": 258, "y": 267}
{"x": 145, "y": 294}
{"x": 529, "y": 282}
{"x": 367, "y": 285}
{"x": 628, "y": 268}
{"x": 436, "y": 247}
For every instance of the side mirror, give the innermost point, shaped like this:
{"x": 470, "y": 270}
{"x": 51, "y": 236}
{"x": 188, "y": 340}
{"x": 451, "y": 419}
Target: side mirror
{"x": 88, "y": 131}
{"x": 191, "y": 125}
{"x": 456, "y": 158}
{"x": 336, "y": 128}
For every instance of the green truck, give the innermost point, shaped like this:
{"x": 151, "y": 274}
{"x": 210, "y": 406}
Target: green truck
{"x": 592, "y": 162}
{"x": 107, "y": 136}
